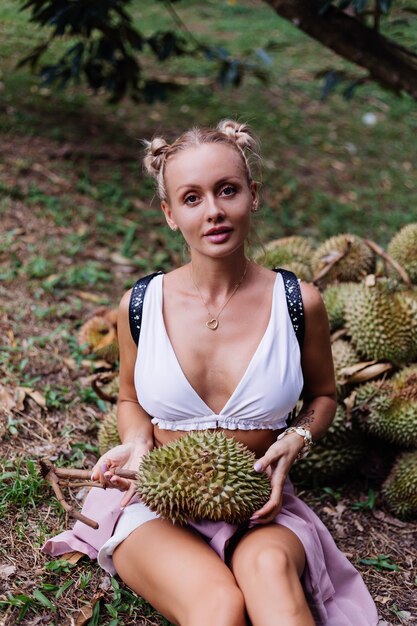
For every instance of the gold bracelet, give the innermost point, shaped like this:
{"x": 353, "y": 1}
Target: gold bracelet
{"x": 305, "y": 434}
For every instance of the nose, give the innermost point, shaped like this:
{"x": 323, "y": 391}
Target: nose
{"x": 215, "y": 211}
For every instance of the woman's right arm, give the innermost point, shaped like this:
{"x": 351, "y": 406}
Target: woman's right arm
{"x": 134, "y": 424}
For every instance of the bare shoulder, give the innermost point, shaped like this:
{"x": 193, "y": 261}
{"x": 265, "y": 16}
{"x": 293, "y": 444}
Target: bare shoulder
{"x": 312, "y": 300}
{"x": 124, "y": 302}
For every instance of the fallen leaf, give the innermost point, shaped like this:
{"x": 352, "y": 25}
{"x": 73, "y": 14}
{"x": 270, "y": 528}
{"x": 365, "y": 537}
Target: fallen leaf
{"x": 36, "y": 396}
{"x": 86, "y": 612}
{"x": 84, "y": 616}
{"x": 89, "y": 297}
{"x": 7, "y": 401}
{"x": 383, "y": 517}
{"x": 358, "y": 525}
{"x": 382, "y": 599}
{"x": 72, "y": 557}
{"x": 20, "y": 396}
{"x": 119, "y": 259}
{"x": 6, "y": 571}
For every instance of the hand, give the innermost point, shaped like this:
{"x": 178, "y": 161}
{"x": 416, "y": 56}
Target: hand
{"x": 276, "y": 463}
{"x": 125, "y": 456}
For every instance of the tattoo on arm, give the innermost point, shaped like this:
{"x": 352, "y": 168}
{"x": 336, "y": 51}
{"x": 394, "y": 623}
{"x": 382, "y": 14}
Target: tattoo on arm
{"x": 304, "y": 419}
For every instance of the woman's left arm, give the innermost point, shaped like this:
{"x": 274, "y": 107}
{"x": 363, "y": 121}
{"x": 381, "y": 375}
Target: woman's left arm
{"x": 319, "y": 401}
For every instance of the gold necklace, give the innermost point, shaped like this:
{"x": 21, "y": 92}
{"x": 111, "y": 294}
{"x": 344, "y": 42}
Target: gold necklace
{"x": 213, "y": 321}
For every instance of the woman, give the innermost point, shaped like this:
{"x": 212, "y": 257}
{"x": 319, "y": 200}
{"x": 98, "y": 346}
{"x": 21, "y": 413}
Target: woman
{"x": 217, "y": 350}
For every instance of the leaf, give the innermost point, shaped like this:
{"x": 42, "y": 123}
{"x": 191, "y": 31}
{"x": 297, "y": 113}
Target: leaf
{"x": 72, "y": 557}
{"x": 36, "y": 396}
{"x": 86, "y": 612}
{"x": 84, "y": 616}
{"x": 6, "y": 571}
{"x": 42, "y": 599}
{"x": 89, "y": 297}
{"x": 7, "y": 402}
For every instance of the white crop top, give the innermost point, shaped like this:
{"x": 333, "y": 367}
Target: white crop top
{"x": 265, "y": 395}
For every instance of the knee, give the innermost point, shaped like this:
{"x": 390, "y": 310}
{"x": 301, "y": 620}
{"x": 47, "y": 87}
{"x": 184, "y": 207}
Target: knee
{"x": 273, "y": 561}
{"x": 223, "y": 604}
{"x": 264, "y": 562}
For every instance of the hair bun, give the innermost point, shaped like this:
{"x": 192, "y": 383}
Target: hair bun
{"x": 241, "y": 134}
{"x": 155, "y": 155}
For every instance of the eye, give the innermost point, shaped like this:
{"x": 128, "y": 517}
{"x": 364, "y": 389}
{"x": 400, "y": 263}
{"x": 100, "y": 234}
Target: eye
{"x": 228, "y": 190}
{"x": 191, "y": 198}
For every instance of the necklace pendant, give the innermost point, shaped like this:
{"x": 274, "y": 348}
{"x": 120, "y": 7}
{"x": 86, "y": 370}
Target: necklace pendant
{"x": 213, "y": 324}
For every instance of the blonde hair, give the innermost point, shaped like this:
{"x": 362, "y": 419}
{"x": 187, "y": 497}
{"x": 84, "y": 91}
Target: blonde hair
{"x": 238, "y": 136}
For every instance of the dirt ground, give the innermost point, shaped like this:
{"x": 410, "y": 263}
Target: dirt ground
{"x": 49, "y": 410}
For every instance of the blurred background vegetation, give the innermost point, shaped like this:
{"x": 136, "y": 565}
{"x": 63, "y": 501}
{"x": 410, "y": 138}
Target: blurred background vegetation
{"x": 331, "y": 163}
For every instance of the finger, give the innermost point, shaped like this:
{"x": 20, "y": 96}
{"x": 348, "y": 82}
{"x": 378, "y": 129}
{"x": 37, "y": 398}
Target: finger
{"x": 99, "y": 472}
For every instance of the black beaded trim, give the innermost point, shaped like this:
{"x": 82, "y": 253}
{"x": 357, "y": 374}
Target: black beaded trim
{"x": 294, "y": 303}
{"x": 136, "y": 304}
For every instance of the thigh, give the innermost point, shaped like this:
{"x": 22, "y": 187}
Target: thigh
{"x": 171, "y": 567}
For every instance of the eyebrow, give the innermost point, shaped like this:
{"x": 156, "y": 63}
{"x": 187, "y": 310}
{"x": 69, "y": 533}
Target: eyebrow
{"x": 218, "y": 183}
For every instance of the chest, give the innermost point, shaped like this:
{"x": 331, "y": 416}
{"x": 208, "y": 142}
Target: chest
{"x": 215, "y": 361}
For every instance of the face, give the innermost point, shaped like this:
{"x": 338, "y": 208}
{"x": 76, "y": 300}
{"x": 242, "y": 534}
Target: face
{"x": 209, "y": 198}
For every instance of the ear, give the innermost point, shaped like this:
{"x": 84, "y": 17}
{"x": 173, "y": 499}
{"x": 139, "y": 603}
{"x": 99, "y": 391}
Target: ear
{"x": 255, "y": 197}
{"x": 168, "y": 215}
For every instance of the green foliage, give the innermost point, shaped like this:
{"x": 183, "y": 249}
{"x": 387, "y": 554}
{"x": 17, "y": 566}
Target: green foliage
{"x": 20, "y": 485}
{"x": 381, "y": 562}
{"x": 106, "y": 49}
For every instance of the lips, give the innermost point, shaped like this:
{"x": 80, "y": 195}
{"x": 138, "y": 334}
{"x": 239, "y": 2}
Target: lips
{"x": 219, "y": 235}
{"x": 218, "y": 231}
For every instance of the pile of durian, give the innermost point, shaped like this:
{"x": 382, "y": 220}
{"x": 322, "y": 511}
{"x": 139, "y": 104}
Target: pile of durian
{"x": 371, "y": 299}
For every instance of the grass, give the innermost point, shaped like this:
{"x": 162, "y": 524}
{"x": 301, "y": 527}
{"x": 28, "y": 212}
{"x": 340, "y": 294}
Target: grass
{"x": 81, "y": 222}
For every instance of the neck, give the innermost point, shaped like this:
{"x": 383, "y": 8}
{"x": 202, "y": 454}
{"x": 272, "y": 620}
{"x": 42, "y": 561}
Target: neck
{"x": 218, "y": 276}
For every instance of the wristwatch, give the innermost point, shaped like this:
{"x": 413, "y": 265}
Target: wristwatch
{"x": 305, "y": 434}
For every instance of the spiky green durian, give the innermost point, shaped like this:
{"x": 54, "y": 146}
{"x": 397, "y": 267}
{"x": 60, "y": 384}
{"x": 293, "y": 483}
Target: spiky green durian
{"x": 380, "y": 324}
{"x": 403, "y": 248}
{"x": 108, "y": 435}
{"x": 339, "y": 453}
{"x": 400, "y": 487}
{"x": 388, "y": 409}
{"x": 203, "y": 475}
{"x": 409, "y": 300}
{"x": 357, "y": 261}
{"x": 292, "y": 253}
{"x": 335, "y": 298}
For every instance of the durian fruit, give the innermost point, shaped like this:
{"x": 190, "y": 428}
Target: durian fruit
{"x": 108, "y": 434}
{"x": 203, "y": 475}
{"x": 335, "y": 297}
{"x": 344, "y": 355}
{"x": 380, "y": 323}
{"x": 399, "y": 489}
{"x": 291, "y": 253}
{"x": 389, "y": 409}
{"x": 99, "y": 334}
{"x": 335, "y": 456}
{"x": 403, "y": 248}
{"x": 357, "y": 262}
{"x": 409, "y": 299}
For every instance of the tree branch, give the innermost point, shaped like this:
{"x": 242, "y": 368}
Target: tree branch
{"x": 387, "y": 62}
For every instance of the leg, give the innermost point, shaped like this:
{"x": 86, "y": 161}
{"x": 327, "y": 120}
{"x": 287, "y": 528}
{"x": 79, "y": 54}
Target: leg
{"x": 180, "y": 575}
{"x": 267, "y": 564}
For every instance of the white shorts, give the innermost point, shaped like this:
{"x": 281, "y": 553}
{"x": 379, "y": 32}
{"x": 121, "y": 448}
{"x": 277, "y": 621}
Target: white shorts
{"x": 132, "y": 517}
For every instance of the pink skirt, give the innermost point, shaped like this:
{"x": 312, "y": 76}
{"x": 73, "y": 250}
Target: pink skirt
{"x": 334, "y": 589}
